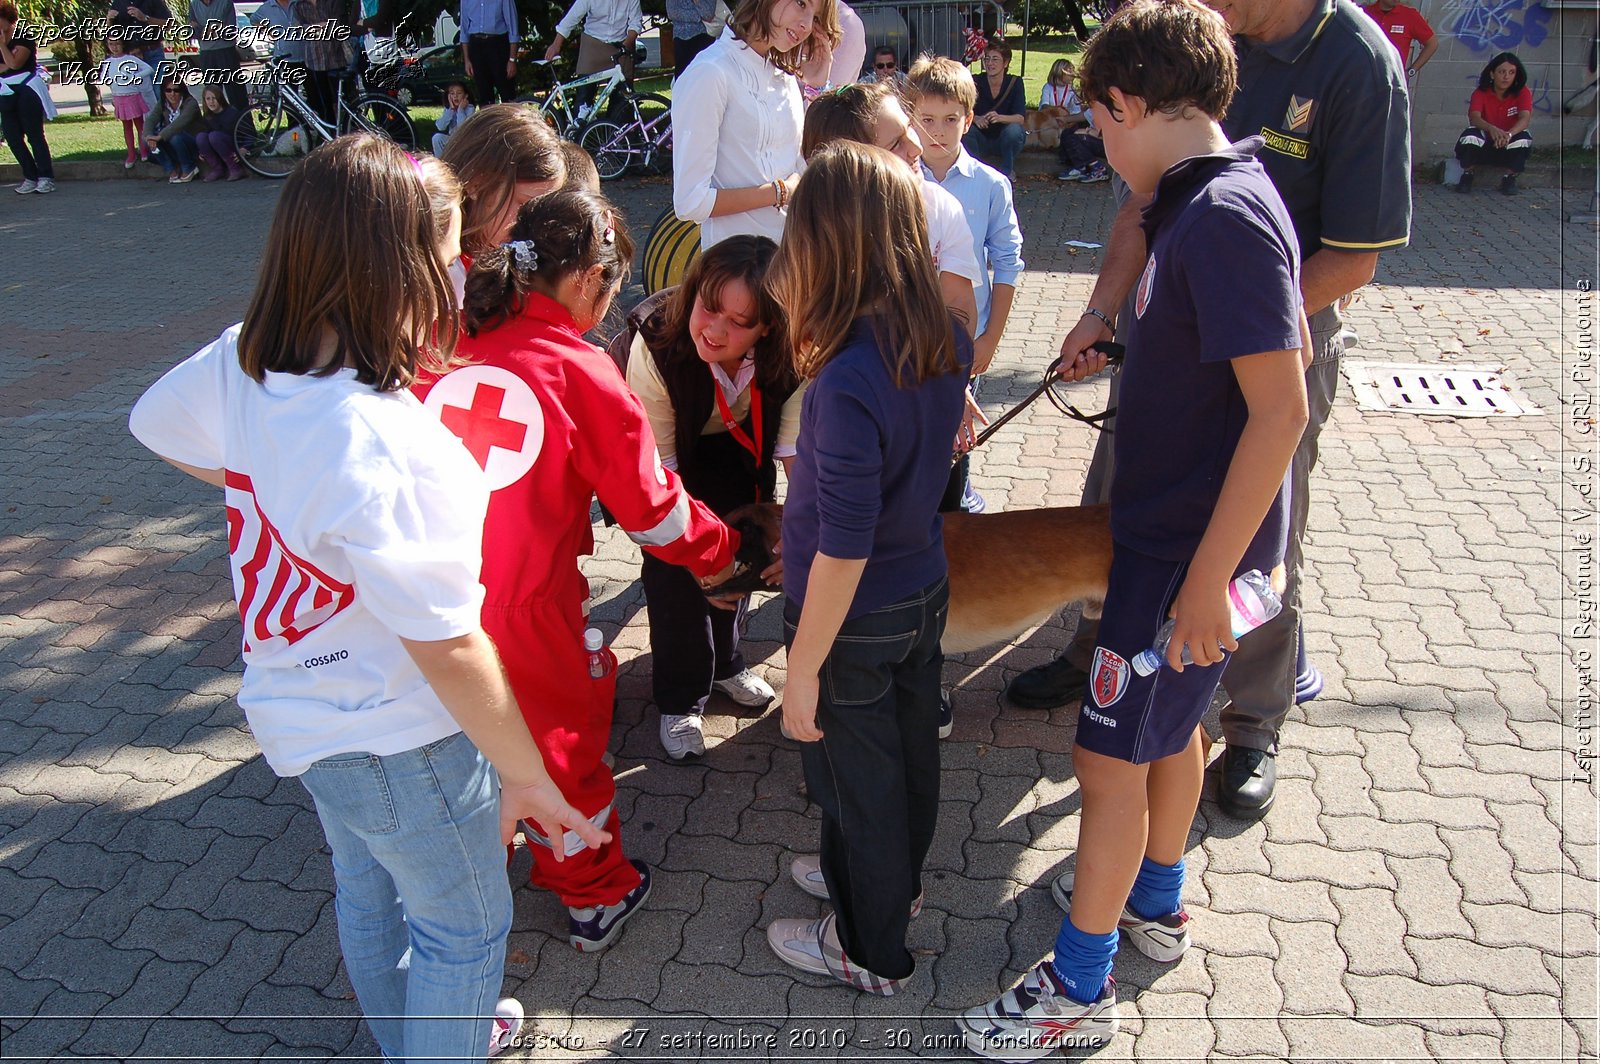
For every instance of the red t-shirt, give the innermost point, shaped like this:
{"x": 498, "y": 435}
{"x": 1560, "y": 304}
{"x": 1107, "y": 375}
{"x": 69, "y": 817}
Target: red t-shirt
{"x": 1502, "y": 114}
{"x": 1403, "y": 25}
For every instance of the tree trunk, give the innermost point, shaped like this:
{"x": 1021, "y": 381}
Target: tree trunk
{"x": 1075, "y": 16}
{"x": 83, "y": 52}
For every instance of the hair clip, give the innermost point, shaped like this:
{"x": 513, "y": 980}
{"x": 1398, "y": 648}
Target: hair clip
{"x": 523, "y": 254}
{"x": 610, "y": 236}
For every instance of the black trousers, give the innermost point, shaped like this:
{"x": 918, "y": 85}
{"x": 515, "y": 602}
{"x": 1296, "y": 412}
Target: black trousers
{"x": 684, "y": 49}
{"x": 226, "y": 60}
{"x": 875, "y": 772}
{"x": 22, "y": 121}
{"x": 489, "y": 53}
{"x": 691, "y": 641}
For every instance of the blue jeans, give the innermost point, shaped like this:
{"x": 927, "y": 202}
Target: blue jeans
{"x": 1000, "y": 143}
{"x": 178, "y": 153}
{"x": 875, "y": 772}
{"x": 423, "y": 901}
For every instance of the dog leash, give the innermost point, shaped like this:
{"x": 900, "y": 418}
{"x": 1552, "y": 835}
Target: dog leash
{"x": 1112, "y": 351}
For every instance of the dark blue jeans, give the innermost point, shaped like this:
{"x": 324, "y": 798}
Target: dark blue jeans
{"x": 178, "y": 153}
{"x": 875, "y": 772}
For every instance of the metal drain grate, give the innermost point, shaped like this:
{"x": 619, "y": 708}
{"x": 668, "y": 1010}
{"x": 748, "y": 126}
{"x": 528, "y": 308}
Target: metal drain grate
{"x": 1454, "y": 391}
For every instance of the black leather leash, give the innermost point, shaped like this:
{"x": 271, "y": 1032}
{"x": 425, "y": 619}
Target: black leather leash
{"x": 1113, "y": 352}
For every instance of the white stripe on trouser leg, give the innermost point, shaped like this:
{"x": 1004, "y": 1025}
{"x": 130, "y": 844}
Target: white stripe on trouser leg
{"x": 1474, "y": 140}
{"x": 669, "y": 529}
{"x": 571, "y": 842}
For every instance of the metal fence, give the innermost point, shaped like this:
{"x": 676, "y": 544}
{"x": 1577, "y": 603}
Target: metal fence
{"x": 937, "y": 26}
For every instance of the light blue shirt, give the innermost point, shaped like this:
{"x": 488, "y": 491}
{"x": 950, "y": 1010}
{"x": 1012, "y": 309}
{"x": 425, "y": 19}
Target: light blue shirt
{"x": 489, "y": 16}
{"x": 985, "y": 198}
{"x": 286, "y": 43}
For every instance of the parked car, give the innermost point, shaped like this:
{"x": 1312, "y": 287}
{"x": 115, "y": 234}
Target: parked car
{"x": 422, "y": 78}
{"x": 249, "y": 39}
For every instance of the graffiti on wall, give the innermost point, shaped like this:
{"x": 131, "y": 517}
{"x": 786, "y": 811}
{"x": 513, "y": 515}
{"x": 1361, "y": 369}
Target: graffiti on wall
{"x": 1497, "y": 25}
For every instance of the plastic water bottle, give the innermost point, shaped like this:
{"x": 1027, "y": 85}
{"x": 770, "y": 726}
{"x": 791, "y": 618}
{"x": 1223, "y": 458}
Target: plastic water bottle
{"x": 1251, "y": 603}
{"x": 602, "y": 662}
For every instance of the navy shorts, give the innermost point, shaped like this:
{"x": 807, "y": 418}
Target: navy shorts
{"x": 1136, "y": 718}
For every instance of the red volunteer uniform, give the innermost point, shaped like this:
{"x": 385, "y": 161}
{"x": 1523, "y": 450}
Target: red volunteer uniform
{"x": 1501, "y": 113}
{"x": 1403, "y": 25}
{"x": 551, "y": 421}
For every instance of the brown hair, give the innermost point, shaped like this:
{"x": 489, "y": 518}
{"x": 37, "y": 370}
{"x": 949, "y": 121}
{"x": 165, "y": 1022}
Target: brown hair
{"x": 9, "y": 12}
{"x": 847, "y": 113}
{"x": 558, "y": 234}
{"x": 752, "y": 21}
{"x": 1001, "y": 45}
{"x": 497, "y": 147}
{"x": 933, "y": 75}
{"x": 351, "y": 252}
{"x": 856, "y": 243}
{"x": 581, "y": 171}
{"x": 743, "y": 258}
{"x": 443, "y": 189}
{"x": 1172, "y": 54}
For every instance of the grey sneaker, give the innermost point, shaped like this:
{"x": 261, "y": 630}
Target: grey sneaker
{"x": 746, "y": 688}
{"x": 806, "y": 871}
{"x": 45, "y": 186}
{"x": 1035, "y": 1018}
{"x": 1163, "y": 939}
{"x": 593, "y": 929}
{"x": 26, "y": 187}
{"x": 683, "y": 736}
{"x": 813, "y": 946}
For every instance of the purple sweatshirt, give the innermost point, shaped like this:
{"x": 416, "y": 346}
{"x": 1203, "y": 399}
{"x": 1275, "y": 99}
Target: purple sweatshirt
{"x": 870, "y": 468}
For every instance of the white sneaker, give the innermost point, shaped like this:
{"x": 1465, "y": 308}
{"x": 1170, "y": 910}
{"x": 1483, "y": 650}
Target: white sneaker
{"x": 746, "y": 688}
{"x": 26, "y": 187}
{"x": 806, "y": 871}
{"x": 1163, "y": 939}
{"x": 683, "y": 736}
{"x": 507, "y": 1022}
{"x": 45, "y": 186}
{"x": 1035, "y": 1018}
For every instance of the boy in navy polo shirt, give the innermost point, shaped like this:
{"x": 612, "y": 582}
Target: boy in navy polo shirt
{"x": 1213, "y": 403}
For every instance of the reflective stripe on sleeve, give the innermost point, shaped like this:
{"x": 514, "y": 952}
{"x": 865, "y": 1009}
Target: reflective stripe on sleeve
{"x": 671, "y": 527}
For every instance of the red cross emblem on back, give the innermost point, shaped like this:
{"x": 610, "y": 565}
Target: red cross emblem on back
{"x": 481, "y": 427}
{"x": 497, "y": 417}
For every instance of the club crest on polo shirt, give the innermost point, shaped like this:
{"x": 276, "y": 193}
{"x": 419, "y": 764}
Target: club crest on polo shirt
{"x": 1108, "y": 679}
{"x": 1147, "y": 282}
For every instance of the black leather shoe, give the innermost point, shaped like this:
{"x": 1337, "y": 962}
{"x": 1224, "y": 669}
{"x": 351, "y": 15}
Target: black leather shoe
{"x": 1248, "y": 779}
{"x": 1048, "y": 686}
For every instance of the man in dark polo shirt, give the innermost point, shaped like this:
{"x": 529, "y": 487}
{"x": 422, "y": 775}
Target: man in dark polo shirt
{"x": 1322, "y": 84}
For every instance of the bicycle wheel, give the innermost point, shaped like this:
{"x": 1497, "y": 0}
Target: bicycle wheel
{"x": 612, "y": 147}
{"x": 658, "y": 136}
{"x": 271, "y": 140}
{"x": 381, "y": 115}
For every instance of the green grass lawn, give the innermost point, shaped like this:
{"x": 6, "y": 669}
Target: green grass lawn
{"x": 78, "y": 138}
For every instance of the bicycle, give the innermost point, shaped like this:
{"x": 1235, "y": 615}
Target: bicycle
{"x": 605, "y": 95}
{"x": 642, "y": 143}
{"x": 278, "y": 130}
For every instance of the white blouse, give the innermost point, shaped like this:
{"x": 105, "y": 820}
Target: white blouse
{"x": 736, "y": 123}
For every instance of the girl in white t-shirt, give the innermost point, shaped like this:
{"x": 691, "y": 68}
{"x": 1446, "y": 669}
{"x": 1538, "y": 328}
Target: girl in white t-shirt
{"x": 354, "y": 525}
{"x": 133, "y": 93}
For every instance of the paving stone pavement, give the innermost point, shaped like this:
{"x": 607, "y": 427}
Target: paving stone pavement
{"x": 1423, "y": 890}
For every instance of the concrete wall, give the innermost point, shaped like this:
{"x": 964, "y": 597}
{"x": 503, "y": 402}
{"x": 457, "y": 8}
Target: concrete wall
{"x": 1551, "y": 40}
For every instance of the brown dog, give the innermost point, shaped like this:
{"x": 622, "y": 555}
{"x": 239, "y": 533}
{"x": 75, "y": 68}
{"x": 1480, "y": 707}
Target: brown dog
{"x": 1008, "y": 571}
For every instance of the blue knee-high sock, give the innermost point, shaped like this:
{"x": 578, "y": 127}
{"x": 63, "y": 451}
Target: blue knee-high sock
{"x": 1158, "y": 891}
{"x": 1083, "y": 961}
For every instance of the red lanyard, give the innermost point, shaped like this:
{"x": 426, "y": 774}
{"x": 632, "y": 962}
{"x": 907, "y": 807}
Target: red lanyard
{"x": 734, "y": 428}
